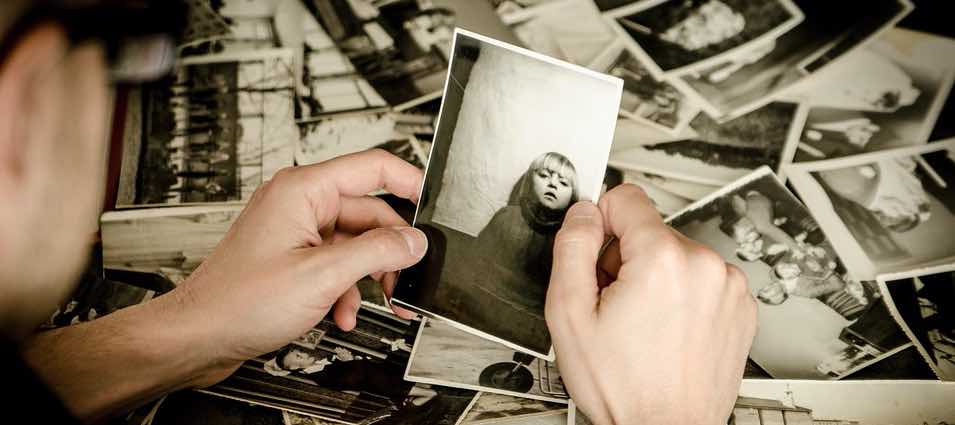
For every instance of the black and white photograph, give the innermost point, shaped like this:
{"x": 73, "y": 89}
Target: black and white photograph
{"x": 923, "y": 302}
{"x": 444, "y": 355}
{"x": 713, "y": 153}
{"x": 681, "y": 36}
{"x": 402, "y": 48}
{"x": 511, "y": 154}
{"x": 490, "y": 408}
{"x": 170, "y": 242}
{"x": 514, "y": 11}
{"x": 646, "y": 98}
{"x": 569, "y": 30}
{"x": 668, "y": 195}
{"x": 885, "y": 211}
{"x": 213, "y": 131}
{"x": 894, "y": 103}
{"x": 829, "y": 31}
{"x": 347, "y": 377}
{"x": 815, "y": 321}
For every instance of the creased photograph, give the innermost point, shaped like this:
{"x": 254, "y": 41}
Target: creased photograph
{"x": 815, "y": 321}
{"x": 510, "y": 156}
{"x": 923, "y": 302}
{"x": 885, "y": 211}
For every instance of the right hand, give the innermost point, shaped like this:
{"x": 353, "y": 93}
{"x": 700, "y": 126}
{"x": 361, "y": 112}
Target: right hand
{"x": 656, "y": 329}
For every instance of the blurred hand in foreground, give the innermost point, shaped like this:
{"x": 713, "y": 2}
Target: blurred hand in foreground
{"x": 654, "y": 328}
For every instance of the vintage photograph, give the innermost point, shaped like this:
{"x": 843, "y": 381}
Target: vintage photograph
{"x": 445, "y": 355}
{"x": 569, "y": 30}
{"x": 923, "y": 302}
{"x": 347, "y": 377}
{"x": 490, "y": 408}
{"x": 170, "y": 242}
{"x": 646, "y": 99}
{"x": 402, "y": 48}
{"x": 681, "y": 36}
{"x": 815, "y": 321}
{"x": 668, "y": 195}
{"x": 885, "y": 211}
{"x": 514, "y": 11}
{"x": 713, "y": 153}
{"x": 510, "y": 156}
{"x": 741, "y": 84}
{"x": 213, "y": 131}
{"x": 894, "y": 103}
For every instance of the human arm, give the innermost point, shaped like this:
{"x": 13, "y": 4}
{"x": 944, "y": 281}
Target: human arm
{"x": 291, "y": 257}
{"x": 656, "y": 328}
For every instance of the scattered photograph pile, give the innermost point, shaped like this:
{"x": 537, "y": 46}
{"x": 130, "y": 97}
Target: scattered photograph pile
{"x": 805, "y": 141}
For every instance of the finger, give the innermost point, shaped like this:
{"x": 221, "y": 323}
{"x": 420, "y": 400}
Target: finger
{"x": 346, "y": 309}
{"x": 610, "y": 261}
{"x": 361, "y": 173}
{"x": 627, "y": 213}
{"x": 341, "y": 264}
{"x": 359, "y": 214}
{"x": 573, "y": 289}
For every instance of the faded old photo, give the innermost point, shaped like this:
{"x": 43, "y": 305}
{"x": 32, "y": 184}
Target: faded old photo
{"x": 923, "y": 302}
{"x": 214, "y": 130}
{"x": 829, "y": 30}
{"x": 510, "y": 156}
{"x": 569, "y": 30}
{"x": 445, "y": 355}
{"x": 682, "y": 36}
{"x": 646, "y": 99}
{"x": 713, "y": 153}
{"x": 815, "y": 320}
{"x": 490, "y": 408}
{"x": 894, "y": 103}
{"x": 885, "y": 211}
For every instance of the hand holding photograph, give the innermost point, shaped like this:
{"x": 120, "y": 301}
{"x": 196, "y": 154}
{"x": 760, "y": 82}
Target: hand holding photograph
{"x": 815, "y": 321}
{"x": 520, "y": 138}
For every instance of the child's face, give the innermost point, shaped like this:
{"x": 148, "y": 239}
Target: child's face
{"x": 553, "y": 188}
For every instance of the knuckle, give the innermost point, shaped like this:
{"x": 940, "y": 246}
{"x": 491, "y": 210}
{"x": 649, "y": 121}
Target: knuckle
{"x": 669, "y": 251}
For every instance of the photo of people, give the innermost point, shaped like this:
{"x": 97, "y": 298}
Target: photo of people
{"x": 348, "y": 376}
{"x": 887, "y": 210}
{"x": 829, "y": 30}
{"x": 214, "y": 130}
{"x": 680, "y": 36}
{"x": 499, "y": 182}
{"x": 924, "y": 304}
{"x": 894, "y": 104}
{"x": 646, "y": 99}
{"x": 445, "y": 355}
{"x": 797, "y": 276}
{"x": 713, "y": 153}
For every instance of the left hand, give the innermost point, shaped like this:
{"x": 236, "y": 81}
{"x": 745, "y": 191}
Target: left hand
{"x": 294, "y": 255}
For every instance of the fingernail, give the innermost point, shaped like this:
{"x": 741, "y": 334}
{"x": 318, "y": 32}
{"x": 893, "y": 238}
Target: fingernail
{"x": 584, "y": 209}
{"x": 416, "y": 240}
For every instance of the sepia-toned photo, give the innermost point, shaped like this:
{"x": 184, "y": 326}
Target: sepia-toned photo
{"x": 491, "y": 408}
{"x": 886, "y": 211}
{"x": 445, "y": 355}
{"x": 514, "y": 11}
{"x": 894, "y": 103}
{"x": 213, "y": 131}
{"x": 170, "y": 242}
{"x": 510, "y": 156}
{"x": 347, "y": 376}
{"x": 646, "y": 99}
{"x": 923, "y": 302}
{"x": 713, "y": 153}
{"x": 680, "y": 36}
{"x": 829, "y": 30}
{"x": 569, "y": 30}
{"x": 815, "y": 321}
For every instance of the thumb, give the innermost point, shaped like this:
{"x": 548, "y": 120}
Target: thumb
{"x": 384, "y": 249}
{"x": 573, "y": 290}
